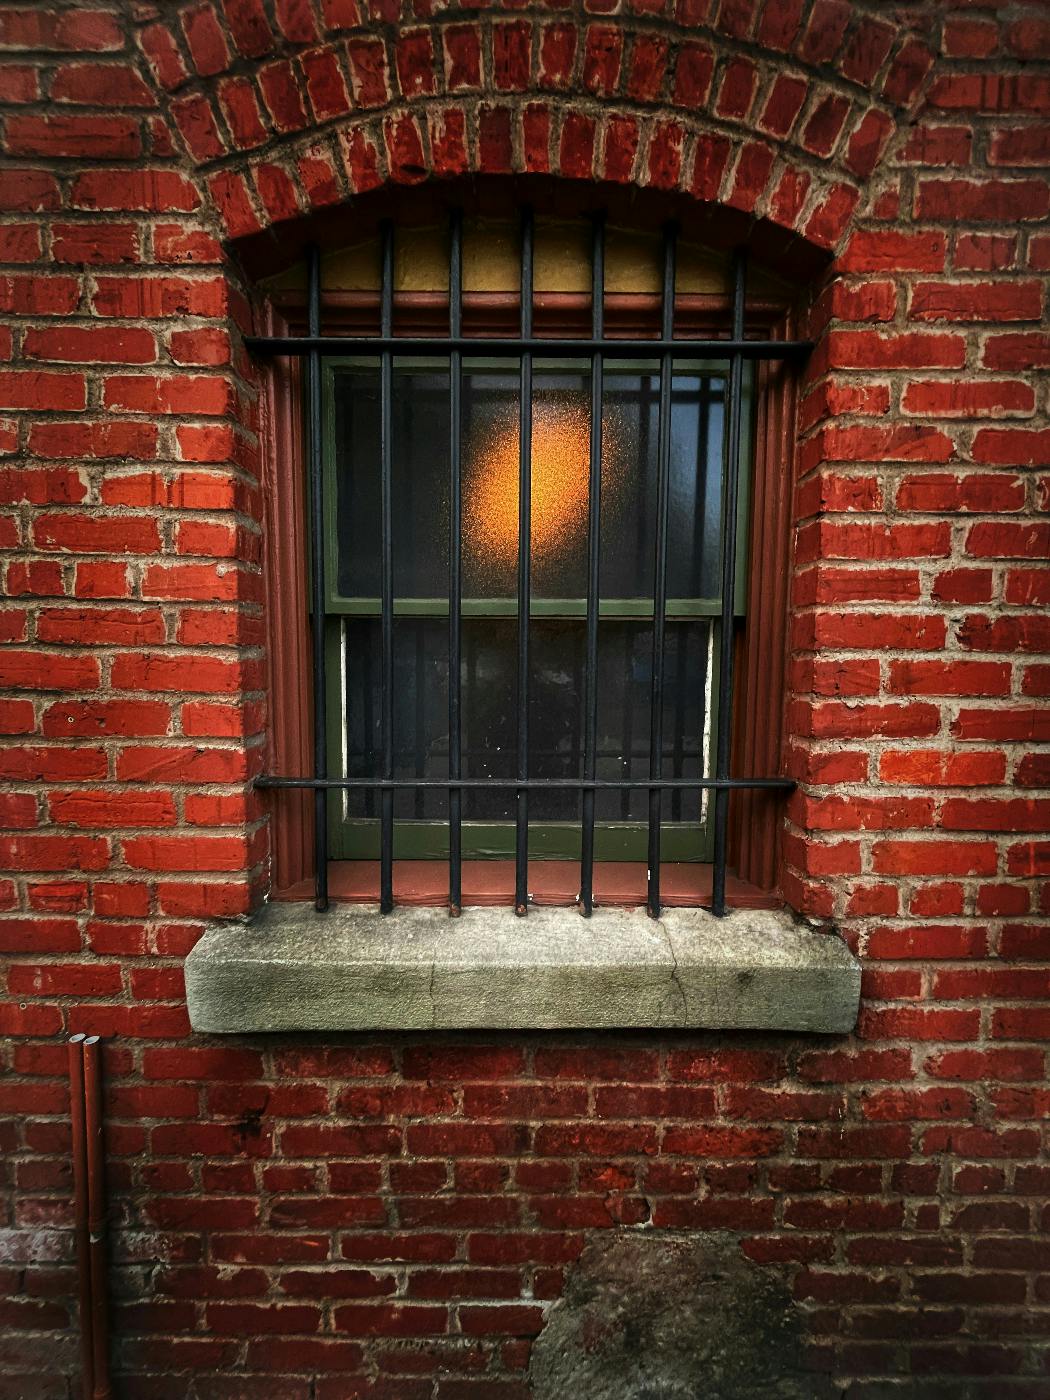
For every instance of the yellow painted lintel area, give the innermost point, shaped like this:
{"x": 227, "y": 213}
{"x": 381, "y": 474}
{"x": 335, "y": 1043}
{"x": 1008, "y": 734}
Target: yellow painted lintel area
{"x": 491, "y": 262}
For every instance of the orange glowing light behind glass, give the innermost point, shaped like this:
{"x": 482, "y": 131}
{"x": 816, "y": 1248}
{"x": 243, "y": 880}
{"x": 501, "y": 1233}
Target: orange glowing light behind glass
{"x": 560, "y": 468}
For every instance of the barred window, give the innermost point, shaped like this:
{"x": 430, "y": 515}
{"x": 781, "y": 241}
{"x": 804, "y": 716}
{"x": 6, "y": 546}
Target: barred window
{"x": 531, "y": 544}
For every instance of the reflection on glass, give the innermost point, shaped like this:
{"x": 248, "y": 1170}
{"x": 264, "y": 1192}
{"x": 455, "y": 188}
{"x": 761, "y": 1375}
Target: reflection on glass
{"x": 488, "y": 678}
{"x": 560, "y": 466}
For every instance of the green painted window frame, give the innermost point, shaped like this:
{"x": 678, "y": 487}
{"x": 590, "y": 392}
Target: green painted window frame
{"x": 357, "y": 838}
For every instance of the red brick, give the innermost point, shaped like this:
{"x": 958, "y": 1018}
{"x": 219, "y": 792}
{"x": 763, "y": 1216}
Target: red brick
{"x": 985, "y": 252}
{"x": 1009, "y": 634}
{"x": 1012, "y": 446}
{"x": 783, "y": 104}
{"x": 996, "y": 201}
{"x": 448, "y": 146}
{"x": 280, "y": 93}
{"x": 462, "y": 53}
{"x": 317, "y": 173}
{"x": 29, "y": 190}
{"x": 199, "y": 129}
{"x": 987, "y": 814}
{"x": 930, "y": 145}
{"x": 368, "y": 72}
{"x": 205, "y": 40}
{"x": 824, "y": 125}
{"x": 415, "y": 63}
{"x": 665, "y": 155}
{"x": 831, "y": 540}
{"x": 867, "y": 142}
{"x": 20, "y": 243}
{"x": 1020, "y": 351}
{"x": 977, "y": 301}
{"x": 18, "y": 810}
{"x": 692, "y": 79}
{"x": 737, "y": 90}
{"x": 906, "y": 350}
{"x": 749, "y": 178}
{"x": 1027, "y": 37}
{"x": 933, "y": 767}
{"x": 33, "y": 852}
{"x": 146, "y": 191}
{"x": 96, "y": 243}
{"x": 902, "y": 443}
{"x": 950, "y": 677}
{"x": 1008, "y": 540}
{"x": 965, "y": 399}
{"x": 557, "y": 53}
{"x": 1020, "y": 145}
{"x": 91, "y": 138}
{"x": 100, "y": 808}
{"x": 836, "y": 813}
{"x": 577, "y": 146}
{"x": 722, "y": 1142}
{"x": 95, "y": 344}
{"x": 894, "y": 251}
{"x": 934, "y": 857}
{"x": 88, "y": 980}
{"x": 19, "y": 83}
{"x": 75, "y": 719}
{"x": 829, "y": 584}
{"x": 248, "y": 26}
{"x": 1002, "y": 723}
{"x": 296, "y": 21}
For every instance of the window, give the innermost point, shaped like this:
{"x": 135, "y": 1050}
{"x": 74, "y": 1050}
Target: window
{"x": 590, "y": 734}
{"x": 557, "y": 692}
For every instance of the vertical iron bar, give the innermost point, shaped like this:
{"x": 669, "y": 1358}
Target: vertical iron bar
{"x": 594, "y": 488}
{"x": 455, "y": 579}
{"x": 725, "y": 640}
{"x": 319, "y": 601}
{"x": 521, "y": 843}
{"x": 386, "y": 807}
{"x": 656, "y": 724}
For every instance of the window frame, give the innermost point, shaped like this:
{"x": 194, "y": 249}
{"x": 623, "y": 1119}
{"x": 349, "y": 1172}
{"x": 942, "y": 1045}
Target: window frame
{"x": 760, "y": 648}
{"x": 684, "y": 840}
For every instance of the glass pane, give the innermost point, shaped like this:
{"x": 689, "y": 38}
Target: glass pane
{"x": 629, "y": 483}
{"x": 560, "y": 458}
{"x": 559, "y": 495}
{"x": 419, "y": 480}
{"x": 489, "y": 681}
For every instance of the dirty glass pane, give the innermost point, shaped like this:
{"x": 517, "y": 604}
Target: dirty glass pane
{"x": 489, "y": 678}
{"x": 420, "y": 467}
{"x": 560, "y": 465}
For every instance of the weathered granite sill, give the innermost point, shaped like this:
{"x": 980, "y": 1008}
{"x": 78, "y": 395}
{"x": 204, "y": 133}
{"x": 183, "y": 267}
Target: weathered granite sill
{"x": 292, "y": 969}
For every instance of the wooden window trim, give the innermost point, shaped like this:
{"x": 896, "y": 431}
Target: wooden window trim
{"x": 761, "y": 652}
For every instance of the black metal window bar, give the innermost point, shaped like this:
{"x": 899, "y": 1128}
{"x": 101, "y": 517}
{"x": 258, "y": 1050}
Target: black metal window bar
{"x": 597, "y": 348}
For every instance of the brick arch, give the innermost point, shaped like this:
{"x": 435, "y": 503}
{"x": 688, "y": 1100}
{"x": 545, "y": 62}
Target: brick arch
{"x": 778, "y": 110}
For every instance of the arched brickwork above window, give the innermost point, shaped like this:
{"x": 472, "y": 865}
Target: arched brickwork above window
{"x": 780, "y": 110}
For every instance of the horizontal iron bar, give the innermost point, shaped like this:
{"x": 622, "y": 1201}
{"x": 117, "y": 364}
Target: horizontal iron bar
{"x": 780, "y": 784}
{"x": 490, "y": 347}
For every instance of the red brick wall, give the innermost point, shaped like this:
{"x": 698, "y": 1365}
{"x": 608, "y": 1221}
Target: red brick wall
{"x": 382, "y": 1218}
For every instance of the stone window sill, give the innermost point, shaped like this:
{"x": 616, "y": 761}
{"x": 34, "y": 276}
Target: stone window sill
{"x": 352, "y": 969}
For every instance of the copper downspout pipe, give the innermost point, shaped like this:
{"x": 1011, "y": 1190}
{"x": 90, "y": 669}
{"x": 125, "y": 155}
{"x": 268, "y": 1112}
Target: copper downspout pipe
{"x": 85, "y": 1092}
{"x": 80, "y": 1208}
